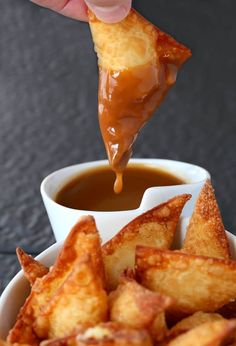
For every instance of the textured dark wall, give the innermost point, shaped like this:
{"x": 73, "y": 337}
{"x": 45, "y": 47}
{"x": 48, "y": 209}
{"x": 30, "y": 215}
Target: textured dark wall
{"x": 48, "y": 108}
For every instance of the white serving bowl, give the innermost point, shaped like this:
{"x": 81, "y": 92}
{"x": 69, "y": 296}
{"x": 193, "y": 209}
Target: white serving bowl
{"x": 18, "y": 289}
{"x": 63, "y": 218}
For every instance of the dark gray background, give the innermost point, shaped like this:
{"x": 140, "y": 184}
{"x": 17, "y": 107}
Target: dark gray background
{"x": 48, "y": 108}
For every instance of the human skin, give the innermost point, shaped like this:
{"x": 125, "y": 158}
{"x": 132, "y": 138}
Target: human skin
{"x": 109, "y": 11}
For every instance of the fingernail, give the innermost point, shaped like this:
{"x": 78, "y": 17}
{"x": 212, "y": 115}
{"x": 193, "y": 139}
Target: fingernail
{"x": 111, "y": 14}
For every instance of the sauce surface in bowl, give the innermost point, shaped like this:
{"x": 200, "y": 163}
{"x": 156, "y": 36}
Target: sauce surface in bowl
{"x": 93, "y": 189}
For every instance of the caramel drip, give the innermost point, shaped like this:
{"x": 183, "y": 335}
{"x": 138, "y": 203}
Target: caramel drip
{"x": 118, "y": 185}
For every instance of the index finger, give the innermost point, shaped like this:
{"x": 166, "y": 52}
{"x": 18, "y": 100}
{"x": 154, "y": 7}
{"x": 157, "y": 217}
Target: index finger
{"x": 75, "y": 9}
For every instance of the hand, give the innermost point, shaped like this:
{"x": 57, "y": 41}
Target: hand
{"x": 110, "y": 11}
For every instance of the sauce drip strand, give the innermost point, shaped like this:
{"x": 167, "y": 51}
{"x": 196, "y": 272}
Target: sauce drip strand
{"x": 118, "y": 185}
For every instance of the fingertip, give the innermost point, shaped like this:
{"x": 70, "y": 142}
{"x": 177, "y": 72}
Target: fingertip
{"x": 111, "y": 14}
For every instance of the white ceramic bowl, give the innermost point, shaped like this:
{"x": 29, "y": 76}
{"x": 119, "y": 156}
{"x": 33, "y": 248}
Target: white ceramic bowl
{"x": 17, "y": 290}
{"x": 63, "y": 218}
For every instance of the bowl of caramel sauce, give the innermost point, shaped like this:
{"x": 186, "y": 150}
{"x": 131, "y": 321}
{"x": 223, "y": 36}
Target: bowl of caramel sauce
{"x": 93, "y": 188}
{"x": 88, "y": 188}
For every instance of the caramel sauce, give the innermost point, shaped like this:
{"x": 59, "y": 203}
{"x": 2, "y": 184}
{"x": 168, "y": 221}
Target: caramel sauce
{"x": 92, "y": 189}
{"x": 127, "y": 100}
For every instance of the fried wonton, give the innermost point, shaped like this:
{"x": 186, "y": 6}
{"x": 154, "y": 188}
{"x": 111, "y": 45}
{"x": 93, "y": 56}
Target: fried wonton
{"x": 134, "y": 42}
{"x": 156, "y": 227}
{"x": 193, "y": 321}
{"x": 138, "y": 63}
{"x": 81, "y": 300}
{"x": 105, "y": 334}
{"x": 206, "y": 233}
{"x": 159, "y": 328}
{"x": 146, "y": 308}
{"x": 135, "y": 306}
{"x": 215, "y": 333}
{"x": 83, "y": 239}
{"x": 197, "y": 283}
{"x": 32, "y": 269}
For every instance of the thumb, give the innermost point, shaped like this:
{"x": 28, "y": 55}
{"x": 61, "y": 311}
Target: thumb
{"x": 110, "y": 11}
